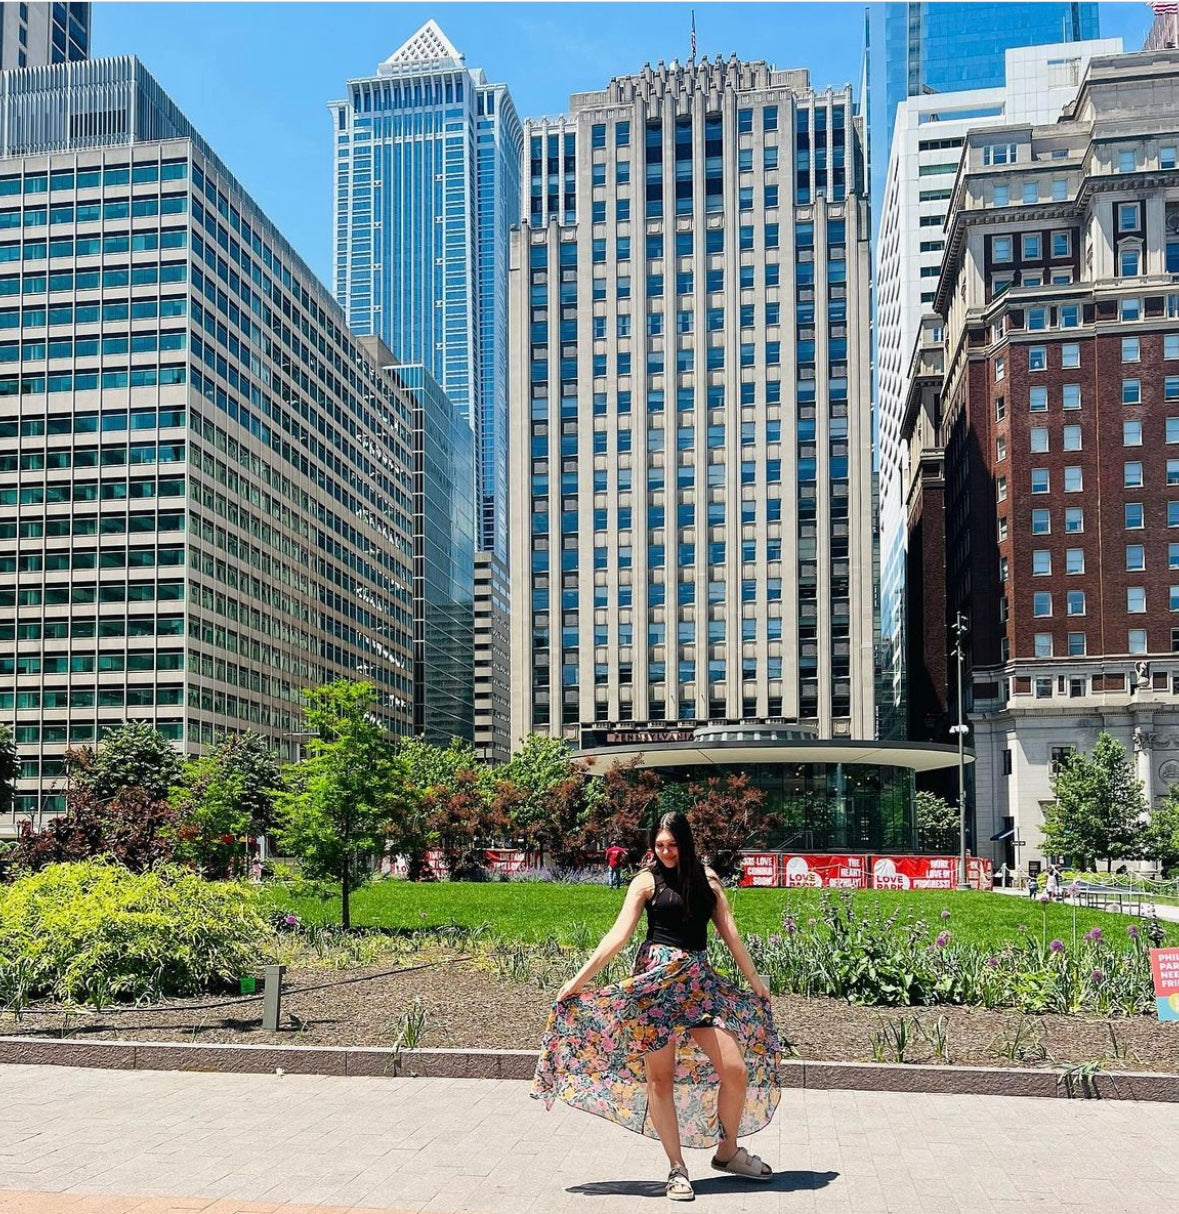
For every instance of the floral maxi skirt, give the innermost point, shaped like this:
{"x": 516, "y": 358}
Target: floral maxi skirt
{"x": 592, "y": 1054}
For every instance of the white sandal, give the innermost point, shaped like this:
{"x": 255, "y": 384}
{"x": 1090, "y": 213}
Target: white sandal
{"x": 679, "y": 1187}
{"x": 752, "y": 1167}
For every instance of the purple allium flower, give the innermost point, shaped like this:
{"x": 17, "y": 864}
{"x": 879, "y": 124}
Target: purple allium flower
{"x": 1093, "y": 935}
{"x": 1057, "y": 946}
{"x": 943, "y": 938}
{"x": 291, "y": 920}
{"x": 945, "y": 915}
{"x": 1043, "y": 897}
{"x": 1097, "y": 977}
{"x": 1132, "y": 931}
{"x": 775, "y": 940}
{"x": 789, "y": 924}
{"x": 992, "y": 963}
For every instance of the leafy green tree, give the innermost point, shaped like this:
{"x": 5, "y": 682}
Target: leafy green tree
{"x": 1099, "y": 806}
{"x": 225, "y": 797}
{"x": 536, "y": 770}
{"x": 132, "y": 755}
{"x": 349, "y": 796}
{"x": 9, "y": 768}
{"x": 937, "y": 823}
{"x": 1160, "y": 836}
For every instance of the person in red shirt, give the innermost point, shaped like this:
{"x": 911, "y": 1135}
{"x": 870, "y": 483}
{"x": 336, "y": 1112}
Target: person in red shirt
{"x": 614, "y": 858}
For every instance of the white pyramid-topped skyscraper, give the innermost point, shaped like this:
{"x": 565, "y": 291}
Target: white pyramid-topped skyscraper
{"x": 428, "y": 158}
{"x": 428, "y": 45}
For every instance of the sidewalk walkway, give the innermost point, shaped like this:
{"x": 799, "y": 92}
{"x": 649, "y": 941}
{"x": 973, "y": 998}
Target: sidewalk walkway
{"x": 80, "y": 1141}
{"x": 1164, "y": 910}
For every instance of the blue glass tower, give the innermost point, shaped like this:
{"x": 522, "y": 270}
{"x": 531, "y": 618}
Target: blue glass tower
{"x": 427, "y": 191}
{"x": 944, "y": 48}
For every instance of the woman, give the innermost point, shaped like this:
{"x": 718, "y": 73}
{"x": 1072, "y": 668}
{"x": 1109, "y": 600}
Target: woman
{"x": 675, "y": 1052}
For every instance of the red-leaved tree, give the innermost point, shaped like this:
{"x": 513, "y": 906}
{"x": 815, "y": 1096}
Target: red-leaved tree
{"x": 727, "y": 814}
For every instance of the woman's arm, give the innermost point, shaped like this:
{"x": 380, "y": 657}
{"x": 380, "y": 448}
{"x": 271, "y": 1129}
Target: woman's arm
{"x": 726, "y": 927}
{"x": 615, "y": 939}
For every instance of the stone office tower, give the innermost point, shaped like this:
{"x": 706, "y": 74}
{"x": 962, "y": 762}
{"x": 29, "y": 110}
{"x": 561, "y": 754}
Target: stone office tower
{"x": 691, "y": 524}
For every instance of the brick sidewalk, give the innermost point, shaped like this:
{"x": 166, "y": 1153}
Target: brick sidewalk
{"x": 78, "y": 1141}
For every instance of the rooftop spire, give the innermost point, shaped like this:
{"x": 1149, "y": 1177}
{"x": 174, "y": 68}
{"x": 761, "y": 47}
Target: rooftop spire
{"x": 428, "y": 45}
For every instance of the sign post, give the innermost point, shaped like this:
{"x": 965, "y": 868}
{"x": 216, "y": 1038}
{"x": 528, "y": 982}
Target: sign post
{"x": 1164, "y": 966}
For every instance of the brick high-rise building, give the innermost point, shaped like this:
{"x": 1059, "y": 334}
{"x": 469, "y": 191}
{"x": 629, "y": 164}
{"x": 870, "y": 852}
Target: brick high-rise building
{"x": 1060, "y": 425}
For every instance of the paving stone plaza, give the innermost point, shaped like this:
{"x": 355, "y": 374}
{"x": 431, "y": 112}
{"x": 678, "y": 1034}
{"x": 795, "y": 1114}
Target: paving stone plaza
{"x": 81, "y": 1141}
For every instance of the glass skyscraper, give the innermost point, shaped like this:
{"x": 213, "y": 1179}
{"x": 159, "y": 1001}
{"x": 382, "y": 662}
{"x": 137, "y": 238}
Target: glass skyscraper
{"x": 34, "y": 35}
{"x": 944, "y": 48}
{"x": 427, "y": 190}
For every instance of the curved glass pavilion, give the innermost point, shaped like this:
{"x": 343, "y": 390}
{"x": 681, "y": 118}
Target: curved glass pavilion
{"x": 827, "y": 795}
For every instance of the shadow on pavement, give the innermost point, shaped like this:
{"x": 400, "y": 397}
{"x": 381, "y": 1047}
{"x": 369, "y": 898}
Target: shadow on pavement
{"x": 783, "y": 1182}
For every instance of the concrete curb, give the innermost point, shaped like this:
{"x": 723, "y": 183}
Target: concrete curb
{"x": 519, "y": 1064}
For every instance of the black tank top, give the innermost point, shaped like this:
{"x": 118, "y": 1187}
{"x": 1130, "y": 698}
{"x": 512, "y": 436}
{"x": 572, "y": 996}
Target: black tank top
{"x": 666, "y": 921}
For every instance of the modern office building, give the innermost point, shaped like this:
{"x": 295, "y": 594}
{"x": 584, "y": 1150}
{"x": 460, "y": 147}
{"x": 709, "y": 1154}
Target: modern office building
{"x": 34, "y": 35}
{"x": 428, "y": 155}
{"x": 1060, "y": 427}
{"x": 947, "y": 48}
{"x": 205, "y": 480}
{"x": 691, "y": 476}
{"x": 443, "y": 559}
{"x": 927, "y": 139}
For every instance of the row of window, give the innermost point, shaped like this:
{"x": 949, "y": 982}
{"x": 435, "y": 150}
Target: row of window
{"x": 1075, "y": 601}
{"x": 92, "y": 246}
{"x": 36, "y": 316}
{"x": 1074, "y": 560}
{"x": 108, "y": 626}
{"x": 109, "y": 278}
{"x": 1074, "y": 519}
{"x": 93, "y": 212}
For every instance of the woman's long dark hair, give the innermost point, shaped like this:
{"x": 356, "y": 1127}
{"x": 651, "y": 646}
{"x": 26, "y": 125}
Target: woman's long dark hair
{"x": 691, "y": 879}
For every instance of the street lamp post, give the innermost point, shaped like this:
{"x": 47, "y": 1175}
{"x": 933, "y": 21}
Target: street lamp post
{"x": 960, "y": 628}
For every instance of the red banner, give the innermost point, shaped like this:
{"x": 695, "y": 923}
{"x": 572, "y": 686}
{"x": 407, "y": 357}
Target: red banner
{"x": 759, "y": 868}
{"x": 506, "y": 860}
{"x": 914, "y": 872}
{"x": 822, "y": 871}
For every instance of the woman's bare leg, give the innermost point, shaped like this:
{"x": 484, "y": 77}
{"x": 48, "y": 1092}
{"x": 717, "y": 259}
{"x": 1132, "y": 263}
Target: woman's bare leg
{"x": 729, "y": 1063}
{"x": 661, "y": 1101}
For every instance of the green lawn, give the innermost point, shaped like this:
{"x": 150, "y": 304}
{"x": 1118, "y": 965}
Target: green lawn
{"x": 577, "y": 914}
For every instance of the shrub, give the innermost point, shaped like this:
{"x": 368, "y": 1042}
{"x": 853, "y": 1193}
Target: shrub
{"x": 94, "y": 932}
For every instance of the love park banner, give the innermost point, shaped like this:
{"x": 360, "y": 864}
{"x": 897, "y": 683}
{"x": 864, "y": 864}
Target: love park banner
{"x": 861, "y": 872}
{"x": 1164, "y": 966}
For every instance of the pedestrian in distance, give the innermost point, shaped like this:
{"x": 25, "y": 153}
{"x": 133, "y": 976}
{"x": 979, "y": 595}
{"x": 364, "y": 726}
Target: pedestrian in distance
{"x": 674, "y": 1052}
{"x": 615, "y": 854}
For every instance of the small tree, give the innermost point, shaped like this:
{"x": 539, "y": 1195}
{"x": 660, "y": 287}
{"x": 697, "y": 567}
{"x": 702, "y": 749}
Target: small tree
{"x": 9, "y": 768}
{"x": 463, "y": 824}
{"x": 623, "y": 807}
{"x": 132, "y": 755}
{"x": 224, "y": 797}
{"x": 1099, "y": 806}
{"x": 346, "y": 798}
{"x": 1160, "y": 836}
{"x": 726, "y": 814}
{"x": 937, "y": 823}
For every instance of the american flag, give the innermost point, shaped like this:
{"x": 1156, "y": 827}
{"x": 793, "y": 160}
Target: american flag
{"x": 1174, "y": 8}
{"x": 1166, "y": 6}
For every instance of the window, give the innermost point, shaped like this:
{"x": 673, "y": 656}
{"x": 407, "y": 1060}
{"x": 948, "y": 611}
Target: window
{"x": 1039, "y": 480}
{"x": 1075, "y": 602}
{"x": 1059, "y": 189}
{"x": 1037, "y": 358}
{"x": 998, "y": 153}
{"x": 1032, "y": 247}
{"x": 1130, "y": 349}
{"x": 1001, "y": 488}
{"x": 1000, "y": 408}
{"x": 1134, "y": 516}
{"x": 1062, "y": 244}
{"x": 1002, "y": 529}
{"x": 1071, "y": 438}
{"x": 1043, "y": 645}
{"x": 1038, "y": 399}
{"x": 1000, "y": 368}
{"x": 1000, "y": 449}
{"x": 1076, "y": 644}
{"x": 1074, "y": 560}
{"x": 1132, "y": 474}
{"x": 1041, "y": 562}
{"x": 1132, "y": 433}
{"x": 1129, "y": 259}
{"x": 1167, "y": 158}
{"x": 1002, "y": 195}
{"x": 1136, "y": 640}
{"x": 1173, "y": 472}
{"x": 1135, "y": 557}
{"x": 1036, "y": 318}
{"x": 1041, "y": 522}
{"x": 1128, "y": 216}
{"x": 1173, "y": 429}
{"x": 1070, "y": 356}
{"x": 1073, "y": 479}
{"x": 1129, "y": 309}
{"x": 1171, "y": 345}
{"x": 1001, "y": 248}
{"x": 1043, "y": 688}
{"x": 1126, "y": 161}
{"x": 1074, "y": 519}
{"x": 1131, "y": 392}
{"x": 1136, "y": 599}
{"x": 1039, "y": 439}
{"x": 1042, "y": 604}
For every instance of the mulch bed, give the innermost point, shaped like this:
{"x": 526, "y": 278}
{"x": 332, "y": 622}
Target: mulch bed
{"x": 465, "y": 1006}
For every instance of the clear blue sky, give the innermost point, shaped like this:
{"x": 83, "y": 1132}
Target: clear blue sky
{"x": 255, "y": 78}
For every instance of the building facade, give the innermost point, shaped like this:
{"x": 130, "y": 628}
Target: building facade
{"x": 34, "y": 35}
{"x": 427, "y": 188}
{"x": 1060, "y": 426}
{"x": 927, "y": 138}
{"x": 205, "y": 480}
{"x": 691, "y": 465}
